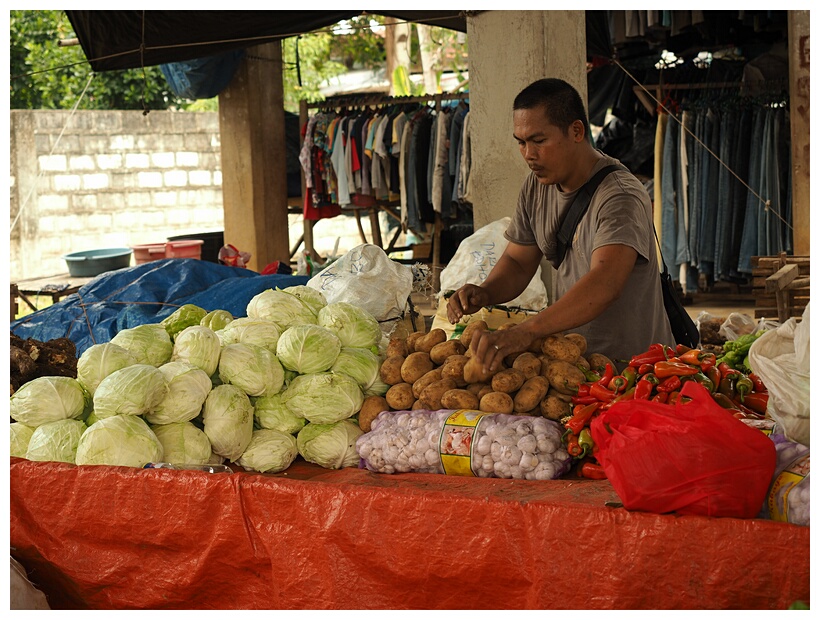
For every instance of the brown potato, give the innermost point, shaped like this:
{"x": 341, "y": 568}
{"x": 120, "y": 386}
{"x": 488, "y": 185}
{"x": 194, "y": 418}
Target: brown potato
{"x": 417, "y": 405}
{"x": 535, "y": 345}
{"x": 410, "y": 341}
{"x": 583, "y": 362}
{"x": 469, "y": 331}
{"x": 400, "y": 396}
{"x": 390, "y": 370}
{"x": 459, "y": 399}
{"x": 425, "y": 380}
{"x": 531, "y": 394}
{"x": 567, "y": 398}
{"x": 598, "y": 362}
{"x": 453, "y": 368}
{"x": 396, "y": 346}
{"x": 579, "y": 340}
{"x": 528, "y": 364}
{"x": 475, "y": 388}
{"x": 554, "y": 408}
{"x": 440, "y": 352}
{"x": 431, "y": 395}
{"x": 558, "y": 347}
{"x": 487, "y": 389}
{"x": 496, "y": 402}
{"x": 508, "y": 381}
{"x": 427, "y": 342}
{"x": 474, "y": 373}
{"x": 371, "y": 408}
{"x": 415, "y": 366}
{"x": 564, "y": 376}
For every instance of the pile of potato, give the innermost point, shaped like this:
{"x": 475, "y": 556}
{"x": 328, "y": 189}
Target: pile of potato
{"x": 428, "y": 371}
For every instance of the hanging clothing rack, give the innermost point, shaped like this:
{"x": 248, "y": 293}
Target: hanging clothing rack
{"x": 665, "y": 87}
{"x": 358, "y": 100}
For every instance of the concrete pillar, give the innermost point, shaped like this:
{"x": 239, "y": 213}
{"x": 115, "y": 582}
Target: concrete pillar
{"x": 799, "y": 73}
{"x": 24, "y": 196}
{"x": 508, "y": 51}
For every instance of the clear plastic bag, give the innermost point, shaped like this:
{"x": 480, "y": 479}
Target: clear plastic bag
{"x": 464, "y": 443}
{"x": 780, "y": 357}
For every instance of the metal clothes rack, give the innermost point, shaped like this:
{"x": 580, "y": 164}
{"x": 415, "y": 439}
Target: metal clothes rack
{"x": 662, "y": 88}
{"x": 359, "y": 100}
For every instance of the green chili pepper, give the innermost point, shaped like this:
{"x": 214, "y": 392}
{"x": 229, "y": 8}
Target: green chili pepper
{"x": 585, "y": 441}
{"x": 743, "y": 385}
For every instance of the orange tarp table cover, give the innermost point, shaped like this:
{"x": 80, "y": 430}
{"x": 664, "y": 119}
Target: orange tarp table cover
{"x": 309, "y": 538}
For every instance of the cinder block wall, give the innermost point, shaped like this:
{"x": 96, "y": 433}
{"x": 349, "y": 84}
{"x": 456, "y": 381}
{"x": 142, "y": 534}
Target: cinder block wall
{"x": 100, "y": 179}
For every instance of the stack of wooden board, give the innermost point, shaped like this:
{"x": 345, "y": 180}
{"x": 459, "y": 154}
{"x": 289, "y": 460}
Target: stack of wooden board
{"x": 780, "y": 286}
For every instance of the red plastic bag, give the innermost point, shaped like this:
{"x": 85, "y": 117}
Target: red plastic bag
{"x": 692, "y": 457}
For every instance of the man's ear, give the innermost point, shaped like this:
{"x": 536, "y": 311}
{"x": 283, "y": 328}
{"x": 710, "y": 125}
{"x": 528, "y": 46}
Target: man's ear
{"x": 577, "y": 131}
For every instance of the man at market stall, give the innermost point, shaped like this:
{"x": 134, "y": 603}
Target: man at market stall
{"x": 607, "y": 287}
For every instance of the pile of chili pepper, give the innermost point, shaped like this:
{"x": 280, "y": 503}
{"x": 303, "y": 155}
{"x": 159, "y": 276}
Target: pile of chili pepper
{"x": 657, "y": 374}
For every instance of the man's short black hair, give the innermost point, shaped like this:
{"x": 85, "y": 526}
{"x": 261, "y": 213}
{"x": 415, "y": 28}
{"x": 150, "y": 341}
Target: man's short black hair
{"x": 561, "y": 101}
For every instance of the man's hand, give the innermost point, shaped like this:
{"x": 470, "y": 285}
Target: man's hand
{"x": 490, "y": 348}
{"x": 466, "y": 300}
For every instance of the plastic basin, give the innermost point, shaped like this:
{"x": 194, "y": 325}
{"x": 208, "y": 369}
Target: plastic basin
{"x": 95, "y": 262}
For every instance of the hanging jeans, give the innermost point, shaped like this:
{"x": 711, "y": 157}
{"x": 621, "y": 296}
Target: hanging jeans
{"x": 740, "y": 165}
{"x": 748, "y": 241}
{"x": 725, "y": 195}
{"x": 669, "y": 182}
{"x": 695, "y": 198}
{"x": 709, "y": 193}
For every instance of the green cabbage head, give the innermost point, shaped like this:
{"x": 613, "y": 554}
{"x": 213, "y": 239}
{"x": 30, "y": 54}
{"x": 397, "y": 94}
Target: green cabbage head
{"x": 47, "y": 399}
{"x": 149, "y": 344}
{"x": 311, "y": 297}
{"x": 308, "y": 348}
{"x": 269, "y": 451}
{"x": 282, "y": 308}
{"x": 323, "y": 398}
{"x": 133, "y": 390}
{"x": 199, "y": 346}
{"x": 216, "y": 319}
{"x": 360, "y": 364}
{"x": 331, "y": 446}
{"x": 183, "y": 317}
{"x": 188, "y": 387}
{"x": 100, "y": 360}
{"x": 271, "y": 413}
{"x": 56, "y": 441}
{"x": 183, "y": 443}
{"x": 124, "y": 440}
{"x": 261, "y": 332}
{"x": 252, "y": 368}
{"x": 227, "y": 419}
{"x": 354, "y": 326}
{"x": 20, "y": 436}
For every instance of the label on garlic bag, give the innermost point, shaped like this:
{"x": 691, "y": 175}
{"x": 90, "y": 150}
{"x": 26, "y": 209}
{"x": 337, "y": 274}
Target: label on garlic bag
{"x": 783, "y": 485}
{"x": 456, "y": 443}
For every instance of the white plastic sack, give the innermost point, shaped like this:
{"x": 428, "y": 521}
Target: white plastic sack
{"x": 475, "y": 258}
{"x": 781, "y": 358}
{"x": 366, "y": 277}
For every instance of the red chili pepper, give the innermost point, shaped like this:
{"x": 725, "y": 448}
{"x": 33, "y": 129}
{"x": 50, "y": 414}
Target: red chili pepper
{"x": 673, "y": 368}
{"x": 757, "y": 401}
{"x": 670, "y": 384}
{"x": 573, "y": 447}
{"x": 707, "y": 361}
{"x": 758, "y": 383}
{"x": 609, "y": 372}
{"x": 714, "y": 375}
{"x": 644, "y": 387}
{"x": 584, "y": 400}
{"x": 600, "y": 392}
{"x": 644, "y": 368}
{"x": 628, "y": 395}
{"x": 724, "y": 401}
{"x": 696, "y": 357}
{"x": 592, "y": 471}
{"x": 583, "y": 390}
{"x": 673, "y": 397}
{"x": 655, "y": 353}
{"x": 581, "y": 417}
{"x": 617, "y": 384}
{"x": 750, "y": 413}
{"x": 725, "y": 369}
{"x": 680, "y": 349}
{"x": 660, "y": 397}
{"x": 692, "y": 356}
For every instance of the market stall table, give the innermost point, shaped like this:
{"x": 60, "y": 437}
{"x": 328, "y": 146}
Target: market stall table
{"x": 309, "y": 538}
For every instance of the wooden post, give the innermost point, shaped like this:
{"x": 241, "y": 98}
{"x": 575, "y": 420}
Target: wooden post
{"x": 254, "y": 173}
{"x": 798, "y": 24}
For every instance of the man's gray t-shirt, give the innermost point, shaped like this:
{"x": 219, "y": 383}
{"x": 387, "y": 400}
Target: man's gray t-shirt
{"x": 620, "y": 213}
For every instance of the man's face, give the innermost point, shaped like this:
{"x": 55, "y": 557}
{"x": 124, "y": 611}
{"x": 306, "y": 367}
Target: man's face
{"x": 546, "y": 148}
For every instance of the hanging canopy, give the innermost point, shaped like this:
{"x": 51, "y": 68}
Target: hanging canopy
{"x": 114, "y": 40}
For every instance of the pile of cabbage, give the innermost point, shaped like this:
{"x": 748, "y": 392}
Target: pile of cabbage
{"x": 206, "y": 388}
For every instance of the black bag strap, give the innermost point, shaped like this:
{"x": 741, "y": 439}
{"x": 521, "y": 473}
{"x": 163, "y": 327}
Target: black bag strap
{"x": 578, "y": 208}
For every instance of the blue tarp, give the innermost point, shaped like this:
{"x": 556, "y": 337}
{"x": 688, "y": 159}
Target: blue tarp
{"x": 147, "y": 293}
